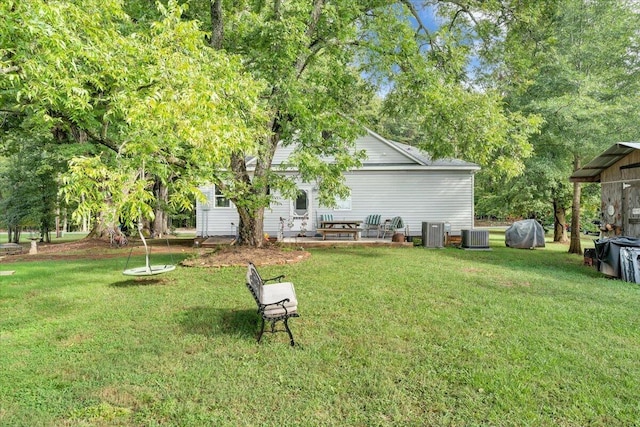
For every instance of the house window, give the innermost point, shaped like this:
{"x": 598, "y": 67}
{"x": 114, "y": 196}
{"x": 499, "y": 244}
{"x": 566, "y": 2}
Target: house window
{"x": 220, "y": 201}
{"x": 301, "y": 203}
{"x": 343, "y": 204}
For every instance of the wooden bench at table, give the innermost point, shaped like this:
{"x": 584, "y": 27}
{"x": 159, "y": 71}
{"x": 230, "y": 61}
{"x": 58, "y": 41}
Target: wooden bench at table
{"x": 10, "y": 249}
{"x": 325, "y": 231}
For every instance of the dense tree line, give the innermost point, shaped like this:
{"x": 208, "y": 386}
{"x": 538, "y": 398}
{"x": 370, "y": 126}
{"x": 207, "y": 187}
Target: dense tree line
{"x": 145, "y": 103}
{"x": 575, "y": 64}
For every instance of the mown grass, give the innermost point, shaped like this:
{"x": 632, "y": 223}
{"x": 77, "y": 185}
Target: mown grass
{"x": 388, "y": 336}
{"x": 26, "y": 236}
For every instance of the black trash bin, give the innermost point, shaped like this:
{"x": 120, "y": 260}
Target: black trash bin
{"x": 608, "y": 253}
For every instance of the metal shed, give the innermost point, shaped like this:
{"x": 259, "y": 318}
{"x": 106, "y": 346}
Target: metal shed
{"x": 618, "y": 170}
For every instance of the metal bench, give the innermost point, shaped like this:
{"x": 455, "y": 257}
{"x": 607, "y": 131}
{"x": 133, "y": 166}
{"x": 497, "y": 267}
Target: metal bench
{"x": 276, "y": 302}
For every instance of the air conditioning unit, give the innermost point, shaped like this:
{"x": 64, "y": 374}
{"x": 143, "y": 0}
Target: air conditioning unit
{"x": 433, "y": 234}
{"x": 475, "y": 239}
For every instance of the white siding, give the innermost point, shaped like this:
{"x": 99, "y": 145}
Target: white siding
{"x": 279, "y": 208}
{"x": 416, "y": 196}
{"x": 416, "y": 193}
{"x": 379, "y": 152}
{"x": 212, "y": 221}
{"x": 282, "y": 154}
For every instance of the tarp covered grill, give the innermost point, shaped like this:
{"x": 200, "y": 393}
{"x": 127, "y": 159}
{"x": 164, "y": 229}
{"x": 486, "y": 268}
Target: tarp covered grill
{"x": 525, "y": 234}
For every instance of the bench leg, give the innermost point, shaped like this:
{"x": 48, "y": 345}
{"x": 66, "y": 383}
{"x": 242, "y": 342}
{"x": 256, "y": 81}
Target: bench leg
{"x": 261, "y": 331}
{"x": 273, "y": 329}
{"x": 286, "y": 326}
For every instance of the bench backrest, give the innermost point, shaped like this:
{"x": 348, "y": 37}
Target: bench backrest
{"x": 373, "y": 219}
{"x": 254, "y": 283}
{"x": 326, "y": 217}
{"x": 397, "y": 223}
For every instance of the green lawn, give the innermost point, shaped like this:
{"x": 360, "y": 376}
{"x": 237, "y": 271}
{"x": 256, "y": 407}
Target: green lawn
{"x": 26, "y": 236}
{"x": 387, "y": 336}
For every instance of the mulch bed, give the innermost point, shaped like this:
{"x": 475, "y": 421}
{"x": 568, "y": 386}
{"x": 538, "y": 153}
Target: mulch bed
{"x": 221, "y": 256}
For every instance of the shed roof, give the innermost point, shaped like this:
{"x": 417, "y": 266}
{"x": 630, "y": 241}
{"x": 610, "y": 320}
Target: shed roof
{"x": 592, "y": 170}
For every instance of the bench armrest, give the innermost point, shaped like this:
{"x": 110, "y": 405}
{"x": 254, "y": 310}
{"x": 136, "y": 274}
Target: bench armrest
{"x": 280, "y": 303}
{"x": 278, "y": 278}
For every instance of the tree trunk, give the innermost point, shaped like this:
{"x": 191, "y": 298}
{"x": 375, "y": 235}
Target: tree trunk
{"x": 251, "y": 209}
{"x": 45, "y": 234}
{"x": 11, "y": 233}
{"x": 160, "y": 225}
{"x": 559, "y": 223}
{"x": 251, "y": 227}
{"x": 575, "y": 246}
{"x": 217, "y": 24}
{"x": 250, "y": 205}
{"x": 58, "y": 232}
{"x": 98, "y": 228}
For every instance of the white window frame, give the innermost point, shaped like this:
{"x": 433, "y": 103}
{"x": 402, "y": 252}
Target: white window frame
{"x": 343, "y": 204}
{"x": 217, "y": 195}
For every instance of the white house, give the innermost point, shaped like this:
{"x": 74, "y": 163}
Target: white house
{"x": 394, "y": 180}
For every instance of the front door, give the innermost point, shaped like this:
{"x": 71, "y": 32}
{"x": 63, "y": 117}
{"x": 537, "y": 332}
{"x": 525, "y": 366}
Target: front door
{"x": 300, "y": 213}
{"x": 631, "y": 209}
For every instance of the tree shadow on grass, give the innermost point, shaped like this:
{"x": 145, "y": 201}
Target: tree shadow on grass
{"x": 138, "y": 282}
{"x": 358, "y": 252}
{"x": 210, "y": 321}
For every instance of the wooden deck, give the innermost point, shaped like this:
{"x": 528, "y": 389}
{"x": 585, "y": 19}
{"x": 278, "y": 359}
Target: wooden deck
{"x": 341, "y": 241}
{"x": 311, "y": 241}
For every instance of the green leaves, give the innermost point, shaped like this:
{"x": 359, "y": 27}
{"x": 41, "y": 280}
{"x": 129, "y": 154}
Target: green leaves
{"x": 453, "y": 121}
{"x": 153, "y": 95}
{"x": 574, "y": 64}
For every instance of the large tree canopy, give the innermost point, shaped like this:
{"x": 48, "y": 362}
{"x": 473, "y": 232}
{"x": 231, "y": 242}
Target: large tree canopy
{"x": 170, "y": 103}
{"x": 575, "y": 63}
{"x": 324, "y": 63}
{"x": 160, "y": 104}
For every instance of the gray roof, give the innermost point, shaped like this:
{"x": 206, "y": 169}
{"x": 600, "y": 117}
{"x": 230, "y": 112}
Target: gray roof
{"x": 422, "y": 157}
{"x": 426, "y": 160}
{"x": 592, "y": 170}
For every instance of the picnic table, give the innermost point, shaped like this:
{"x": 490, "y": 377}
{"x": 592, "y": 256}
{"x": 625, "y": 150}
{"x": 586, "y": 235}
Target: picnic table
{"x": 340, "y": 227}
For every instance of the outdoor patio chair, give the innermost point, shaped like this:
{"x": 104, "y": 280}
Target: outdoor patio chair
{"x": 372, "y": 222}
{"x": 326, "y": 217}
{"x": 391, "y": 227}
